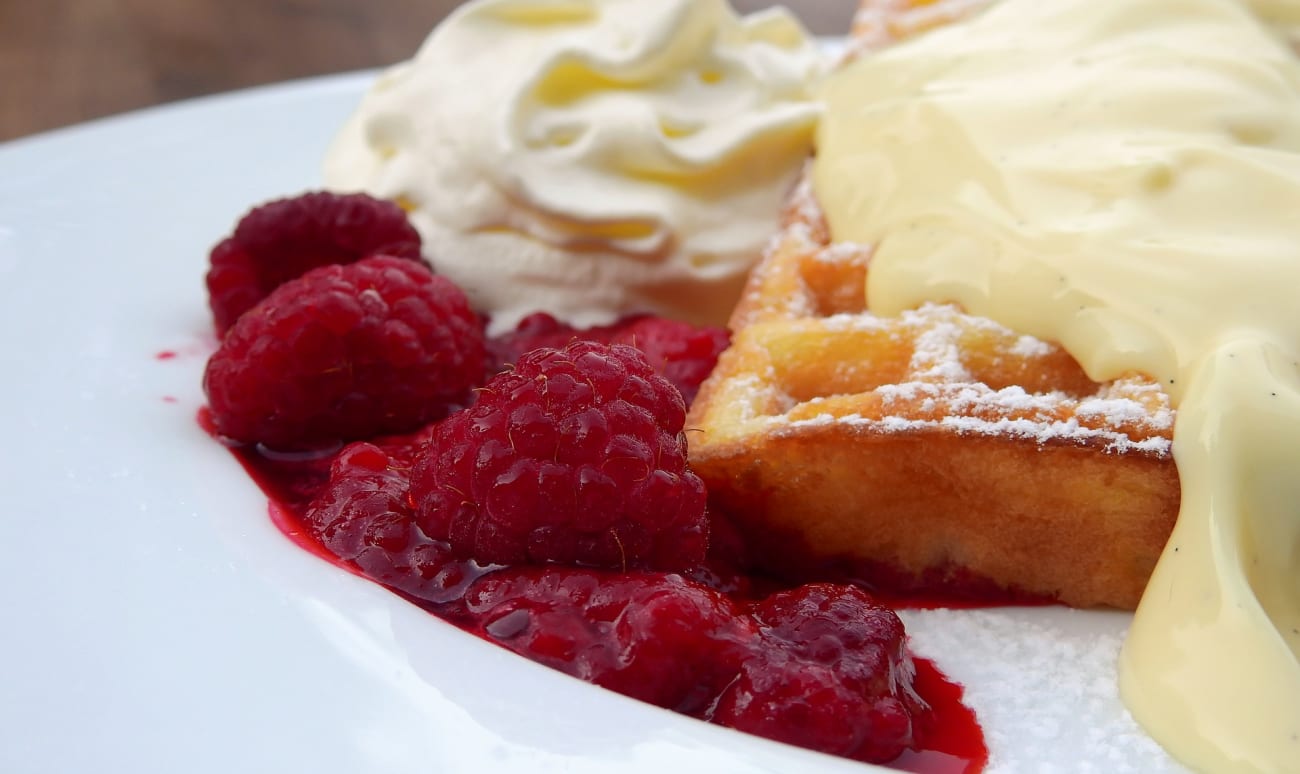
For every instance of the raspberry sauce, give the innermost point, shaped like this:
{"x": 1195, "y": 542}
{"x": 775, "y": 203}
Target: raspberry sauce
{"x": 945, "y": 737}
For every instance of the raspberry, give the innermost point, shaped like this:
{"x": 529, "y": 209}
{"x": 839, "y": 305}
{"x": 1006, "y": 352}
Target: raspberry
{"x": 726, "y": 566}
{"x": 363, "y": 517}
{"x": 833, "y": 675}
{"x": 283, "y": 239}
{"x": 807, "y": 704}
{"x": 684, "y": 354}
{"x": 840, "y": 626}
{"x": 655, "y": 637}
{"x": 345, "y": 353}
{"x": 681, "y": 353}
{"x": 576, "y": 456}
{"x": 535, "y": 331}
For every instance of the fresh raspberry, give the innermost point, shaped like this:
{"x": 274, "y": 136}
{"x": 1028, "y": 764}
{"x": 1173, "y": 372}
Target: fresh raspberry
{"x": 576, "y": 456}
{"x": 364, "y": 518}
{"x": 682, "y": 353}
{"x": 535, "y": 331}
{"x": 833, "y": 675}
{"x": 654, "y": 637}
{"x": 345, "y": 353}
{"x": 283, "y": 239}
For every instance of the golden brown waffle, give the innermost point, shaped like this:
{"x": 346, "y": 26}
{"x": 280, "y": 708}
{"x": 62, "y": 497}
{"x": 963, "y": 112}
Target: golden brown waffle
{"x": 932, "y": 450}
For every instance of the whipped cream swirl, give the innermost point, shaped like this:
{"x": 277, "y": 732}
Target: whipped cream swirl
{"x": 591, "y": 158}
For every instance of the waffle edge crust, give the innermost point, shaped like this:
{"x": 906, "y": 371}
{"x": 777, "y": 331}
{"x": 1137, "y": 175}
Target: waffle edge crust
{"x": 935, "y": 452}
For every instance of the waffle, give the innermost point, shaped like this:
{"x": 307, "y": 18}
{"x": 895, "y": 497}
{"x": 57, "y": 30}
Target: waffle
{"x": 935, "y": 451}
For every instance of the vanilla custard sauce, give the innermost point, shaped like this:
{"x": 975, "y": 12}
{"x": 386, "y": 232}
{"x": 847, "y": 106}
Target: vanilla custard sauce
{"x": 1123, "y": 178}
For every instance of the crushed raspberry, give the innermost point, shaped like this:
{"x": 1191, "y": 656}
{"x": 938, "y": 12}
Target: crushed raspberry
{"x": 576, "y": 456}
{"x": 652, "y": 636}
{"x": 344, "y": 353}
{"x": 363, "y": 517}
{"x": 283, "y": 239}
{"x": 682, "y": 353}
{"x": 833, "y": 675}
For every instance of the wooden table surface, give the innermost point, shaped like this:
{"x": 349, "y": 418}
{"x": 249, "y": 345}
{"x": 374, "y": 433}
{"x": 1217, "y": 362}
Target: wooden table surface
{"x": 67, "y": 61}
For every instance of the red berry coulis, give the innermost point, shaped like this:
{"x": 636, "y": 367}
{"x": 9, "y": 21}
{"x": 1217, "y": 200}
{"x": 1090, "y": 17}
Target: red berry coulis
{"x": 945, "y": 737}
{"x": 539, "y": 494}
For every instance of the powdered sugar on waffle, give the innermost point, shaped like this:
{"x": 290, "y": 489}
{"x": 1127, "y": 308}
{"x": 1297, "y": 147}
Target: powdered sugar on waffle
{"x": 841, "y": 252}
{"x": 1042, "y": 682}
{"x": 804, "y": 222}
{"x": 1041, "y": 432}
{"x": 937, "y": 356}
{"x": 1128, "y": 415}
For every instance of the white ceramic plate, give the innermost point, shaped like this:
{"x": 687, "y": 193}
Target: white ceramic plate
{"x": 156, "y": 621}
